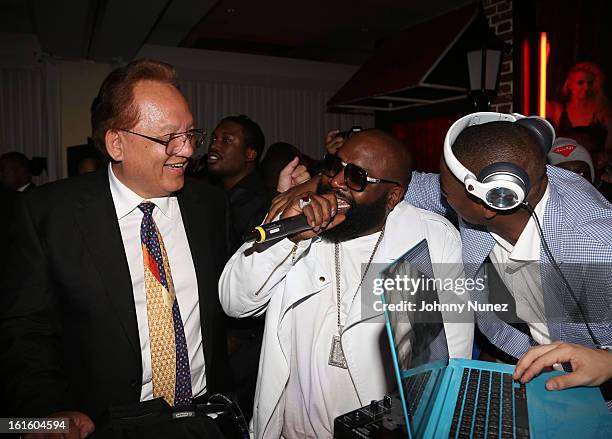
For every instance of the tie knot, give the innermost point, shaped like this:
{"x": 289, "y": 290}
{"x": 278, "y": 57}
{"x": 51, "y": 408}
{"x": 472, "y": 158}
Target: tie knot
{"x": 147, "y": 208}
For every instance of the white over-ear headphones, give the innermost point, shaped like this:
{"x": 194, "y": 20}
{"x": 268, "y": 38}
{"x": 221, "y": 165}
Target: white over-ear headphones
{"x": 502, "y": 186}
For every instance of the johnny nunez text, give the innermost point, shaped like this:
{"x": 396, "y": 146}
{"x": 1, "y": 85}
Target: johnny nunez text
{"x": 470, "y": 305}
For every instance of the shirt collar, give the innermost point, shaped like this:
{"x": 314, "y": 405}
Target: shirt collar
{"x": 126, "y": 200}
{"x": 527, "y": 247}
{"x": 24, "y": 187}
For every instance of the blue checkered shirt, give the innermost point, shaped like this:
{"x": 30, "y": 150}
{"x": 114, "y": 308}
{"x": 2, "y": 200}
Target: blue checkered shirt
{"x": 578, "y": 229}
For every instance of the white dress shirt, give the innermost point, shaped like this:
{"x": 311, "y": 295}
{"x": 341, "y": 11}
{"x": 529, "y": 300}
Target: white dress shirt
{"x": 24, "y": 187}
{"x": 167, "y": 217}
{"x": 519, "y": 268}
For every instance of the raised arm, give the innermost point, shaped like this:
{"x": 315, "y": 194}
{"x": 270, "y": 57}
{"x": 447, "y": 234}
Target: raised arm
{"x": 250, "y": 278}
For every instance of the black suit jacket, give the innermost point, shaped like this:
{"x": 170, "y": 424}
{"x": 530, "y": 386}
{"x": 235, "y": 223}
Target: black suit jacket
{"x": 68, "y": 332}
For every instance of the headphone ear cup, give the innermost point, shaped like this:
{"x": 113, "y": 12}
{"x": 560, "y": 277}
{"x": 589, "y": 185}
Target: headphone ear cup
{"x": 505, "y": 169}
{"x": 504, "y": 196}
{"x": 541, "y": 129}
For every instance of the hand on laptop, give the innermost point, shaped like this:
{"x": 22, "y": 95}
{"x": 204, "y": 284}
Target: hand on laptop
{"x": 591, "y": 367}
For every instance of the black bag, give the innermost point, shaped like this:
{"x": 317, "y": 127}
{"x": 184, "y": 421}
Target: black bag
{"x": 214, "y": 417}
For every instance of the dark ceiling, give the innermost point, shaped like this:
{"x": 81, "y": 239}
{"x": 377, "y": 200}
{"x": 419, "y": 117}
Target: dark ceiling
{"x": 340, "y": 31}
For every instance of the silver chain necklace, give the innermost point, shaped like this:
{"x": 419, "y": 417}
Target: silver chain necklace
{"x": 336, "y": 354}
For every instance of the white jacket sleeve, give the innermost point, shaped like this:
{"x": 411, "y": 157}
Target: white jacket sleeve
{"x": 249, "y": 277}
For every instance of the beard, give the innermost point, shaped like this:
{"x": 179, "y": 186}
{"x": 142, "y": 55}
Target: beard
{"x": 360, "y": 218}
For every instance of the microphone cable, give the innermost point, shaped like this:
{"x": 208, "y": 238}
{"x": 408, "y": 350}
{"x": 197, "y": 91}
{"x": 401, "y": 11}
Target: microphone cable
{"x": 526, "y": 205}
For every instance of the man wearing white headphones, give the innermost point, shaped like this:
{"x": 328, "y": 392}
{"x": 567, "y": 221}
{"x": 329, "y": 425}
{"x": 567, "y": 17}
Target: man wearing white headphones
{"x": 494, "y": 177}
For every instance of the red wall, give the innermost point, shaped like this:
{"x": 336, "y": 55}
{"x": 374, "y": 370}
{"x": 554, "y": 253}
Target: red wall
{"x": 425, "y": 138}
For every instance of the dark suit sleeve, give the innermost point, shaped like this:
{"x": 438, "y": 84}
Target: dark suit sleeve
{"x": 228, "y": 237}
{"x": 222, "y": 369}
{"x": 30, "y": 330}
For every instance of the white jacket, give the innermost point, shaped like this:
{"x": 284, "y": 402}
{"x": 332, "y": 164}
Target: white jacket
{"x": 268, "y": 281}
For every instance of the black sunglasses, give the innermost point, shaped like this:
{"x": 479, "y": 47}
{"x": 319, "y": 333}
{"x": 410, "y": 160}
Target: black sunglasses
{"x": 355, "y": 177}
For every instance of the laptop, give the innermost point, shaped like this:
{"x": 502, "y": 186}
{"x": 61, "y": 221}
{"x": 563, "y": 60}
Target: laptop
{"x": 459, "y": 398}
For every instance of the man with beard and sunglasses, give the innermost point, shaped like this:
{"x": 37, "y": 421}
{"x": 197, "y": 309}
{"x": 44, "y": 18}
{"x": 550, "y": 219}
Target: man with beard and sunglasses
{"x": 321, "y": 357}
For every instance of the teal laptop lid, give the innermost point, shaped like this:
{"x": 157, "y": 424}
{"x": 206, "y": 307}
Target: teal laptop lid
{"x": 417, "y": 338}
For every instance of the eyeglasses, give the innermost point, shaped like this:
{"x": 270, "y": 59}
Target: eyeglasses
{"x": 176, "y": 141}
{"x": 355, "y": 177}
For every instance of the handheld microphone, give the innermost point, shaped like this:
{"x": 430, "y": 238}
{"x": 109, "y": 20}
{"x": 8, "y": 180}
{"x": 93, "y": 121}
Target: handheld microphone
{"x": 278, "y": 229}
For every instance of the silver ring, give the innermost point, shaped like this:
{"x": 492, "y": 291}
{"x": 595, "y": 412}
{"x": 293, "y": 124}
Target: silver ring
{"x": 304, "y": 202}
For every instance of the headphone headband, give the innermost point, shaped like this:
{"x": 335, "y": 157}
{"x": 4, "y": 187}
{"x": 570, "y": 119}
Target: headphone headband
{"x": 507, "y": 185}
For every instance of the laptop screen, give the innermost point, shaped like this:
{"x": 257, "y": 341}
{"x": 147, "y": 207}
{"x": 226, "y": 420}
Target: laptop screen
{"x": 417, "y": 338}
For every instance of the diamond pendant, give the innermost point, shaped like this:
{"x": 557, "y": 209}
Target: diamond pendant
{"x": 336, "y": 354}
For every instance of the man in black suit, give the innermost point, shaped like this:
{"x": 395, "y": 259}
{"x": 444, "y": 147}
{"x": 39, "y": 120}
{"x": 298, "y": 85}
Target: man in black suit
{"x": 235, "y": 149}
{"x": 75, "y": 306}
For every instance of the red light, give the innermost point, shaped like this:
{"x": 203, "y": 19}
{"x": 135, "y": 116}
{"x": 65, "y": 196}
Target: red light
{"x": 526, "y": 78}
{"x": 544, "y": 48}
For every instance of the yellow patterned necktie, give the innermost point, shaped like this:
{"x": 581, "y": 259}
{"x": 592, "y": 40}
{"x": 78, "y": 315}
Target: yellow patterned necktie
{"x": 169, "y": 355}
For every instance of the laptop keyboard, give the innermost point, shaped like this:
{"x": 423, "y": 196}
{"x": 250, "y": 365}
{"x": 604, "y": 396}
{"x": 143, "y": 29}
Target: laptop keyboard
{"x": 413, "y": 389}
{"x": 488, "y": 406}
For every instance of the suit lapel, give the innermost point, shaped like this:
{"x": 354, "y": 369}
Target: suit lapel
{"x": 552, "y": 285}
{"x": 97, "y": 219}
{"x": 553, "y": 225}
{"x": 480, "y": 245}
